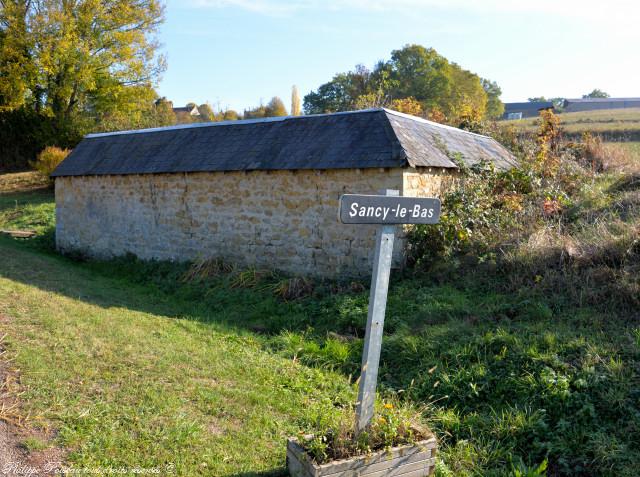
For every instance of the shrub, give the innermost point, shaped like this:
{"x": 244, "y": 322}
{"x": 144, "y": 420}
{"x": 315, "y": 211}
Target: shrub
{"x": 48, "y": 159}
{"x": 485, "y": 202}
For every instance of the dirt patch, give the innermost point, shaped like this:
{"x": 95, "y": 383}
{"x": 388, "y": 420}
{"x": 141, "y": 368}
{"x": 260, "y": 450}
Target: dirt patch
{"x": 24, "y": 449}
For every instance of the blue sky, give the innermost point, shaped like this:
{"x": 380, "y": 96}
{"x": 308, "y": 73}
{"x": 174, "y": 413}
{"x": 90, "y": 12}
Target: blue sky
{"x": 235, "y": 53}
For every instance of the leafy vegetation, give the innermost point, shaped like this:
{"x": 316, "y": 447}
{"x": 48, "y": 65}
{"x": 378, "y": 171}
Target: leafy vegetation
{"x": 443, "y": 89}
{"x": 334, "y": 436}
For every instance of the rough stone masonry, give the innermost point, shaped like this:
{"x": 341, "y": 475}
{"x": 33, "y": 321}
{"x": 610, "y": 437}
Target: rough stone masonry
{"x": 260, "y": 193}
{"x": 278, "y": 219}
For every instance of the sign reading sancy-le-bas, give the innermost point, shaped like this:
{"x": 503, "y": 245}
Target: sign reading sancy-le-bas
{"x": 385, "y": 209}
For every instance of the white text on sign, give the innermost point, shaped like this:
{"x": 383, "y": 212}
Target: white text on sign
{"x": 380, "y": 209}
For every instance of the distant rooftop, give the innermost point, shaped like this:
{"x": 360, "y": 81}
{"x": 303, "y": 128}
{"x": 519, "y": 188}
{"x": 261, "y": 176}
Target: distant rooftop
{"x": 357, "y": 139}
{"x": 527, "y": 106}
{"x": 600, "y": 100}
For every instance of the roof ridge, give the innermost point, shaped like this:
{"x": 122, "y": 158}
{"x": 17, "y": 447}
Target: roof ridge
{"x": 395, "y": 141}
{"x": 432, "y": 123}
{"x": 227, "y": 123}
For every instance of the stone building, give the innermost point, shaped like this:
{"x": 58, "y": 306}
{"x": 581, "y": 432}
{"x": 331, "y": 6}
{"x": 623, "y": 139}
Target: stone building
{"x": 260, "y": 193}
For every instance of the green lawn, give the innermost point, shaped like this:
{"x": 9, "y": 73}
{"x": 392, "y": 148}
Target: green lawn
{"x": 137, "y": 367}
{"x": 132, "y": 377}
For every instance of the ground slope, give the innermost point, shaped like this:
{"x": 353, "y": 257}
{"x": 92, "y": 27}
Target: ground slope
{"x": 134, "y": 366}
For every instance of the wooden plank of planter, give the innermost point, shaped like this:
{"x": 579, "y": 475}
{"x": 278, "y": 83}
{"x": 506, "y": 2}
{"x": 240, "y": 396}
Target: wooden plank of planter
{"x": 297, "y": 468}
{"x": 19, "y": 233}
{"x": 420, "y": 468}
{"x": 297, "y": 454}
{"x": 391, "y": 468}
{"x": 418, "y": 458}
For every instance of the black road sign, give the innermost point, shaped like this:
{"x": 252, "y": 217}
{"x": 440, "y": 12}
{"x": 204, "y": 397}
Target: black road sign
{"x": 386, "y": 209}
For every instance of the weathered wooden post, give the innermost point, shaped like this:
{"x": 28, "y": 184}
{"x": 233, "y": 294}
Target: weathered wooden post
{"x": 386, "y": 210}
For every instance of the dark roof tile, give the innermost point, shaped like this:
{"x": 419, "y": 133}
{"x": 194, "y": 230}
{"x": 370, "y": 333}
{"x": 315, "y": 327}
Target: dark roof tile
{"x": 359, "y": 139}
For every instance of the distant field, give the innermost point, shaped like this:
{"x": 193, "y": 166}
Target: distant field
{"x": 620, "y": 124}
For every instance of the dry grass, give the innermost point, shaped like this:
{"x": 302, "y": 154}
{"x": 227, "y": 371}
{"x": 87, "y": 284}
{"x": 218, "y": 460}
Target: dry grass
{"x": 620, "y": 121}
{"x": 22, "y": 182}
{"x": 618, "y": 157}
{"x": 207, "y": 268}
{"x": 293, "y": 288}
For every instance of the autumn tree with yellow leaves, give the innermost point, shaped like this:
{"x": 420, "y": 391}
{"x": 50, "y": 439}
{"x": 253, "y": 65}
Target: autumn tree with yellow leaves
{"x": 70, "y": 58}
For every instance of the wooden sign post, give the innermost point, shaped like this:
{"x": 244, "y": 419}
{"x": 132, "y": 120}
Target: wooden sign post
{"x": 386, "y": 210}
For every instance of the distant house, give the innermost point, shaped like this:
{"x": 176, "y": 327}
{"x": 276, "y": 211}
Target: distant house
{"x": 187, "y": 111}
{"x": 529, "y": 109}
{"x": 591, "y": 104}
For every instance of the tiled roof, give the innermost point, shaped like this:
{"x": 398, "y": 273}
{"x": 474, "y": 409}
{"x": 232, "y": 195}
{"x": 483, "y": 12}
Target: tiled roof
{"x": 358, "y": 139}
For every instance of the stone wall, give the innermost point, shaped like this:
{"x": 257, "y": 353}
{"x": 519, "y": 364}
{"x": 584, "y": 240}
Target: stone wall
{"x": 428, "y": 181}
{"x": 284, "y": 220}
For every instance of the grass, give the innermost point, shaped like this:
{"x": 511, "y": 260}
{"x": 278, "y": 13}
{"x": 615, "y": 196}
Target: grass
{"x": 633, "y": 147}
{"x": 619, "y": 124}
{"x": 137, "y": 366}
{"x": 33, "y": 444}
{"x": 133, "y": 377}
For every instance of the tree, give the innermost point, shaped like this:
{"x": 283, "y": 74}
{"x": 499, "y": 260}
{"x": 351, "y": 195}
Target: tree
{"x": 163, "y": 110}
{"x": 468, "y": 99}
{"x": 255, "y": 113}
{"x": 341, "y": 93}
{"x": 408, "y": 106}
{"x": 295, "y": 101}
{"x": 91, "y": 57}
{"x": 495, "y": 106}
{"x": 422, "y": 74}
{"x": 412, "y": 72}
{"x": 17, "y": 71}
{"x": 537, "y": 99}
{"x": 206, "y": 112}
{"x": 275, "y": 107}
{"x": 230, "y": 115}
{"x": 596, "y": 93}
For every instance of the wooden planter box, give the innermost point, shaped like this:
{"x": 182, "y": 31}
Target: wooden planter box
{"x": 416, "y": 460}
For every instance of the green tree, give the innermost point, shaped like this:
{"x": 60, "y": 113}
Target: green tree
{"x": 163, "y": 113}
{"x": 596, "y": 93}
{"x": 495, "y": 106}
{"x": 421, "y": 73}
{"x": 537, "y": 99}
{"x": 295, "y": 101}
{"x": 341, "y": 93}
{"x": 92, "y": 57}
{"x": 275, "y": 107}
{"x": 412, "y": 72}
